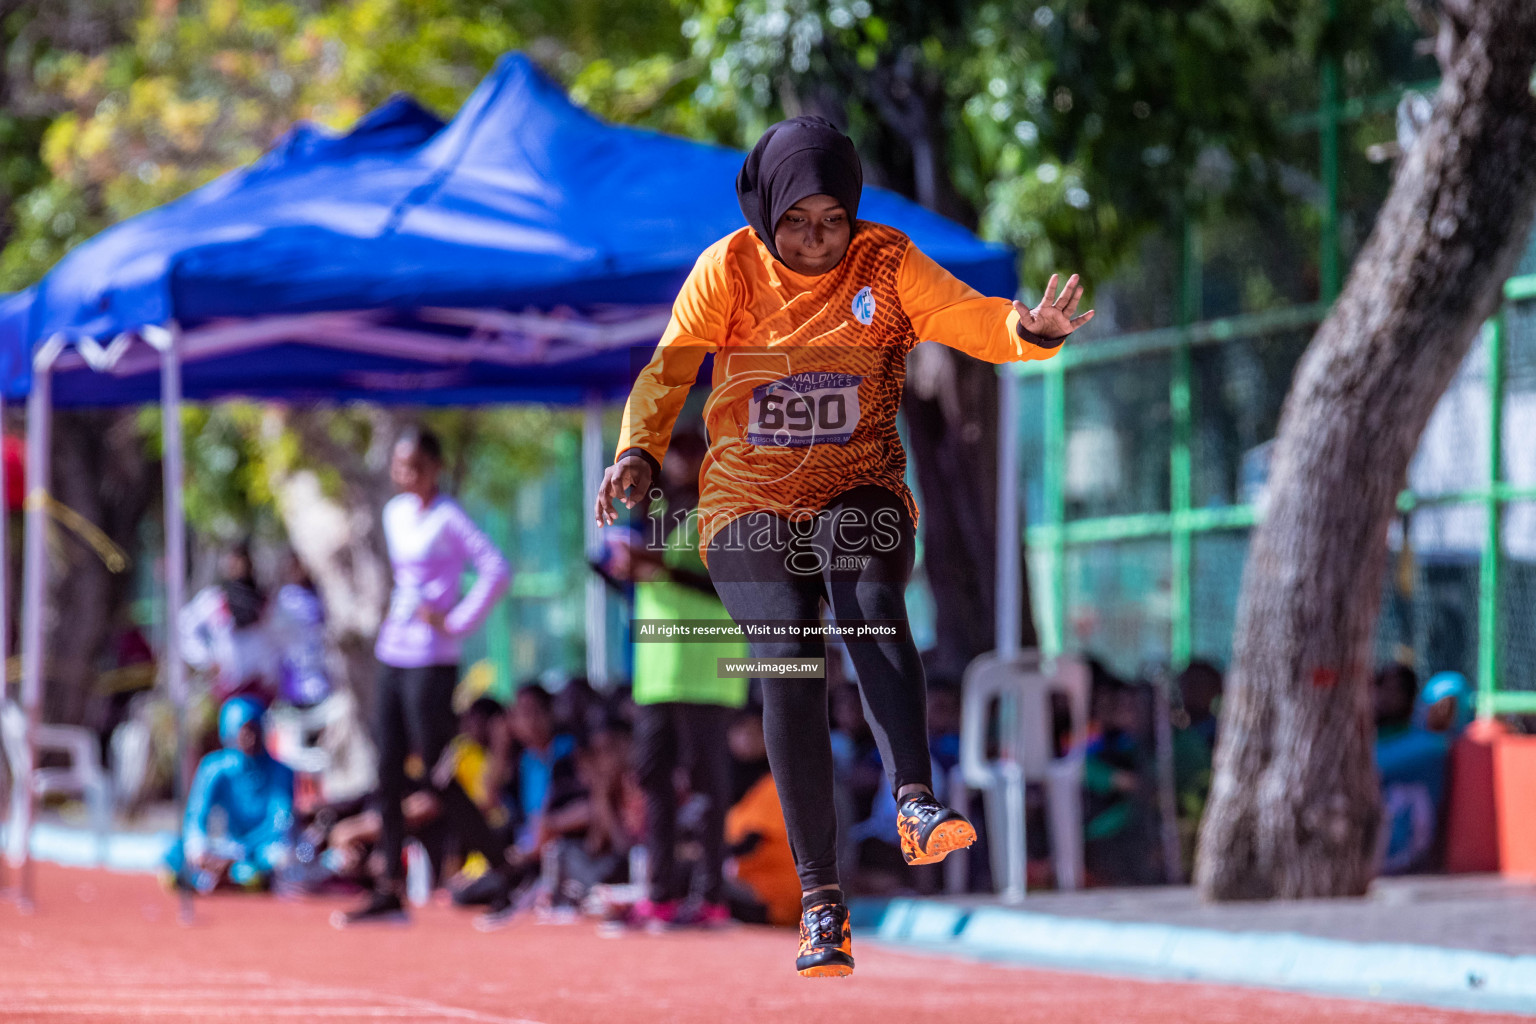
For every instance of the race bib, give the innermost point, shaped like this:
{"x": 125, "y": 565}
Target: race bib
{"x": 805, "y": 409}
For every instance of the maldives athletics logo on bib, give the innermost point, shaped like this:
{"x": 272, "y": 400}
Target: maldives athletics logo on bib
{"x": 864, "y": 306}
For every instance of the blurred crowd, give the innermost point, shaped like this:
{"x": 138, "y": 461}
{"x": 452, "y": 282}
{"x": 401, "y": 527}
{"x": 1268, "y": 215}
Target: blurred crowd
{"x": 555, "y": 775}
{"x": 651, "y": 802}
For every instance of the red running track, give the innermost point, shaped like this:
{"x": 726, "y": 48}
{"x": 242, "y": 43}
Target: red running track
{"x": 108, "y": 948}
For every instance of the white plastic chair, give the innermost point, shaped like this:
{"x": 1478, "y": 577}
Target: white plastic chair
{"x": 82, "y": 777}
{"x": 292, "y": 734}
{"x": 129, "y": 755}
{"x": 329, "y": 741}
{"x": 1026, "y": 754}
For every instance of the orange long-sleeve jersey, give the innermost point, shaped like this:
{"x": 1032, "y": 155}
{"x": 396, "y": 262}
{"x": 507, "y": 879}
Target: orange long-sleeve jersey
{"x": 808, "y": 371}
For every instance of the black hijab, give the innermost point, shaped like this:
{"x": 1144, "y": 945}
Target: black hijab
{"x": 803, "y": 156}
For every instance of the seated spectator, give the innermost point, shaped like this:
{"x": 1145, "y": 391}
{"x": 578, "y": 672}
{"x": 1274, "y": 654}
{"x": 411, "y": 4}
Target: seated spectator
{"x": 252, "y": 793}
{"x": 477, "y": 759}
{"x": 1412, "y": 763}
{"x": 473, "y": 759}
{"x": 296, "y": 626}
{"x": 875, "y": 842}
{"x": 577, "y": 708}
{"x": 855, "y": 757}
{"x": 1445, "y": 705}
{"x": 1199, "y": 689}
{"x": 869, "y": 845}
{"x": 619, "y": 703}
{"x": 748, "y": 763}
{"x": 764, "y": 887}
{"x": 342, "y": 849}
{"x": 593, "y": 836}
{"x": 129, "y": 671}
{"x": 1119, "y": 848}
{"x": 943, "y": 730}
{"x": 543, "y": 769}
{"x": 544, "y": 792}
{"x": 223, "y": 631}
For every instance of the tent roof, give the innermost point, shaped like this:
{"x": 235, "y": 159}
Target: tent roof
{"x": 526, "y": 250}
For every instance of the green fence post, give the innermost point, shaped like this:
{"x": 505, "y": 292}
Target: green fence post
{"x": 498, "y": 624}
{"x": 1179, "y": 465}
{"x": 1053, "y": 632}
{"x": 1488, "y": 575}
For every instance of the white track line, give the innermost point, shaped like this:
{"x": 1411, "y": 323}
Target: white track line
{"x": 115, "y": 990}
{"x": 216, "y": 1011}
{"x": 277, "y": 998}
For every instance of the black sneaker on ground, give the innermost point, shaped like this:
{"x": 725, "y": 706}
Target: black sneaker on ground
{"x": 826, "y": 941}
{"x": 382, "y": 908}
{"x": 502, "y": 907}
{"x": 930, "y": 831}
{"x": 478, "y": 892}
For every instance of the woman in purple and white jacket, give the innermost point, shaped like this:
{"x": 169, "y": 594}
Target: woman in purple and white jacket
{"x": 431, "y": 542}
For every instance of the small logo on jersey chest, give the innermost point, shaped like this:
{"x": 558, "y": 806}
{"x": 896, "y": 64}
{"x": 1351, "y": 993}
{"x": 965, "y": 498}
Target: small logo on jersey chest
{"x": 864, "y": 306}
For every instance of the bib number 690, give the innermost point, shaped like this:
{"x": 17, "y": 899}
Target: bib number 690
{"x": 824, "y": 412}
{"x": 805, "y": 409}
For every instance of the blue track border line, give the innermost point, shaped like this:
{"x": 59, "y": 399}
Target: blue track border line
{"x": 1392, "y": 972}
{"x": 125, "y": 852}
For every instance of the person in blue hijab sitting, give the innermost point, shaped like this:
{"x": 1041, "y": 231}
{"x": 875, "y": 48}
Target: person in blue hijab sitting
{"x": 1445, "y": 706}
{"x": 251, "y": 793}
{"x": 1414, "y": 734}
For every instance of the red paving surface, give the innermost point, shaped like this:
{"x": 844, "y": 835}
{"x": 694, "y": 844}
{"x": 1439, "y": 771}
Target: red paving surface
{"x": 107, "y": 948}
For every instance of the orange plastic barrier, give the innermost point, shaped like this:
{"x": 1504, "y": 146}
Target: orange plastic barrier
{"x": 1472, "y": 812}
{"x": 1515, "y": 781}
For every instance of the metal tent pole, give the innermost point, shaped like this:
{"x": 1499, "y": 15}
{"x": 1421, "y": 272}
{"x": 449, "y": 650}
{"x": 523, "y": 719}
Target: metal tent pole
{"x": 1008, "y": 611}
{"x": 5, "y": 576}
{"x": 5, "y": 552}
{"x": 168, "y": 340}
{"x": 1008, "y": 599}
{"x": 34, "y": 597}
{"x": 592, "y": 464}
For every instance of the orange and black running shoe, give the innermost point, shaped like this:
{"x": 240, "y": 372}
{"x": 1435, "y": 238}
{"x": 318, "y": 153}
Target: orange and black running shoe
{"x": 826, "y": 941}
{"x": 930, "y": 831}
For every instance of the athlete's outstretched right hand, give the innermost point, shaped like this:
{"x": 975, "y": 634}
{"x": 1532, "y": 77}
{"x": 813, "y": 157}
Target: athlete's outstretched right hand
{"x": 629, "y": 476}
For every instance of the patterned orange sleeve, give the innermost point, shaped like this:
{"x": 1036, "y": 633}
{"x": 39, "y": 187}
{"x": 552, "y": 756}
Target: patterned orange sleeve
{"x": 944, "y": 309}
{"x": 700, "y": 318}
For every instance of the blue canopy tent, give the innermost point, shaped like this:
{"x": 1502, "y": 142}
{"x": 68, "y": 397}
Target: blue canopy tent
{"x": 524, "y": 251}
{"x": 512, "y": 254}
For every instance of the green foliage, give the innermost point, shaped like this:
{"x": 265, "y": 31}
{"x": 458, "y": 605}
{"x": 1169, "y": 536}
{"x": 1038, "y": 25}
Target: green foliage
{"x": 489, "y": 452}
{"x": 205, "y": 86}
{"x": 228, "y": 494}
{"x": 1072, "y": 127}
{"x": 1076, "y": 130}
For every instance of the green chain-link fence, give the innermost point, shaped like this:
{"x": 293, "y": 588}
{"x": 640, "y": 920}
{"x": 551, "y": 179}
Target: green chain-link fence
{"x": 1145, "y": 455}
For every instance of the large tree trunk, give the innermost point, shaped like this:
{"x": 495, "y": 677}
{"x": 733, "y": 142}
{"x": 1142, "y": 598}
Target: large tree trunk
{"x": 100, "y": 473}
{"x": 1294, "y": 806}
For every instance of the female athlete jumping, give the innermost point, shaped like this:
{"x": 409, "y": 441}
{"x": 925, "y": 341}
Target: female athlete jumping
{"x": 810, "y": 313}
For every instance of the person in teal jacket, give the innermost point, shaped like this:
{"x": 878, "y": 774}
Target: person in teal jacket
{"x": 683, "y": 709}
{"x": 253, "y": 792}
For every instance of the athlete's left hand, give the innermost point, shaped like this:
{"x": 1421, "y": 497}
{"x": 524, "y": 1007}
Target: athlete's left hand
{"x": 1053, "y": 318}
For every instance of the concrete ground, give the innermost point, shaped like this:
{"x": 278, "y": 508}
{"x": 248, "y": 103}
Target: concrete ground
{"x": 1480, "y": 912}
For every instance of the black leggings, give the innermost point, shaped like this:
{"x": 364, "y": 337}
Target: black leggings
{"x": 413, "y": 713}
{"x": 857, "y": 554}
